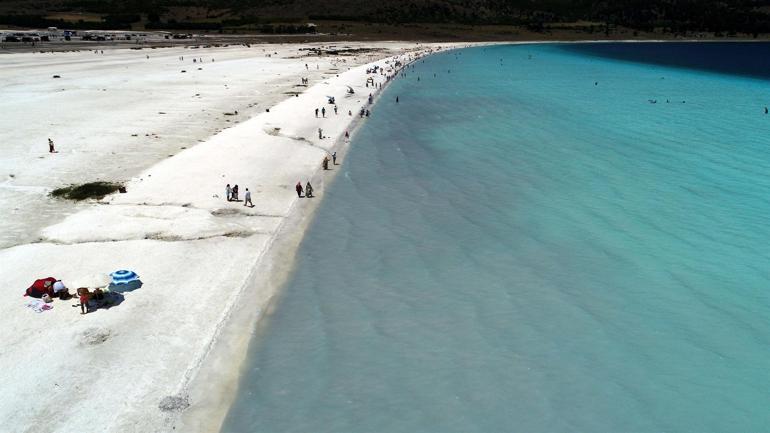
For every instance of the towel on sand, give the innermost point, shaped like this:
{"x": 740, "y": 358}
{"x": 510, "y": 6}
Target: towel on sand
{"x": 38, "y": 306}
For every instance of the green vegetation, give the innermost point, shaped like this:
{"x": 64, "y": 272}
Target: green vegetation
{"x": 84, "y": 191}
{"x": 666, "y": 16}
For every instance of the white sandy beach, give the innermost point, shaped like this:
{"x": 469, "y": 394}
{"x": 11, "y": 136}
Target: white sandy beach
{"x": 209, "y": 266}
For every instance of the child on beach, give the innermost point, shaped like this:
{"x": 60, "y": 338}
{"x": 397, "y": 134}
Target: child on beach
{"x": 247, "y": 199}
{"x": 83, "y": 296}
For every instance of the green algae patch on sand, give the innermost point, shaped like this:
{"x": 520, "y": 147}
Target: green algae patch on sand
{"x": 96, "y": 190}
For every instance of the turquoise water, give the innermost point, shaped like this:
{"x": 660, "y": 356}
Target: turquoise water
{"x": 532, "y": 245}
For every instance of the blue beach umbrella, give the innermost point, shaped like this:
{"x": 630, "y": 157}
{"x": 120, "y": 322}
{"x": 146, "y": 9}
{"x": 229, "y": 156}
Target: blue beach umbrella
{"x": 124, "y": 281}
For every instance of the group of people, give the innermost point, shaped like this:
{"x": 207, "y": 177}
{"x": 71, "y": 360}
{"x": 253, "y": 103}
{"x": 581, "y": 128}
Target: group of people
{"x": 231, "y": 194}
{"x": 323, "y": 111}
{"x": 325, "y": 162}
{"x": 60, "y": 291}
{"x": 308, "y": 190}
{"x": 85, "y": 295}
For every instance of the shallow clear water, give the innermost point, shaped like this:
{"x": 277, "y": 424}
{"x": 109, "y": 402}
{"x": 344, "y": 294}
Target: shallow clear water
{"x": 531, "y": 245}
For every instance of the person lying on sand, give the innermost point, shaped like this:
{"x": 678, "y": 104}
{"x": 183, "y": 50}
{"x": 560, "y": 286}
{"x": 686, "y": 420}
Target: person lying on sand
{"x": 60, "y": 291}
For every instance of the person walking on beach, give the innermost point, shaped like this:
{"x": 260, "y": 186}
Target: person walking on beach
{"x": 228, "y": 192}
{"x": 308, "y": 190}
{"x": 325, "y": 163}
{"x": 335, "y": 110}
{"x": 316, "y": 112}
{"x": 298, "y": 188}
{"x": 52, "y": 150}
{"x": 334, "y": 157}
{"x": 234, "y": 195}
{"x": 323, "y": 112}
{"x": 247, "y": 199}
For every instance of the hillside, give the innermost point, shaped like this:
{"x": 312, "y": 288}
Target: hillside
{"x": 672, "y": 16}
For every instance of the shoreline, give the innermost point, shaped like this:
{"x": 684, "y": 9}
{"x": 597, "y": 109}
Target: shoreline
{"x": 215, "y": 387}
{"x": 171, "y": 217}
{"x": 197, "y": 321}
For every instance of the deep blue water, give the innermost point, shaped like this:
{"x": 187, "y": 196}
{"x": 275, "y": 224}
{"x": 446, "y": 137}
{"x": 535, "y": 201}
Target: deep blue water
{"x": 748, "y": 59}
{"x": 529, "y": 244}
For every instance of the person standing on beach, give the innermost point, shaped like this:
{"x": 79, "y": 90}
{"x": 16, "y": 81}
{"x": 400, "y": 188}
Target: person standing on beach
{"x": 320, "y": 133}
{"x": 83, "y": 296}
{"x": 335, "y": 110}
{"x": 247, "y": 199}
{"x": 308, "y": 190}
{"x": 234, "y": 195}
{"x": 50, "y": 146}
{"x": 298, "y": 188}
{"x": 228, "y": 192}
{"x": 334, "y": 156}
{"x": 316, "y": 112}
{"x": 325, "y": 163}
{"x": 323, "y": 112}
{"x": 396, "y": 99}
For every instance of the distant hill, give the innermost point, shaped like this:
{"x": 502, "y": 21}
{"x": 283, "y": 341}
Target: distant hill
{"x": 674, "y": 16}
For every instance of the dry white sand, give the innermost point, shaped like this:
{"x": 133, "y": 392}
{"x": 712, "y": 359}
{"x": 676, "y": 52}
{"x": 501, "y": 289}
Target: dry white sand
{"x": 209, "y": 266}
